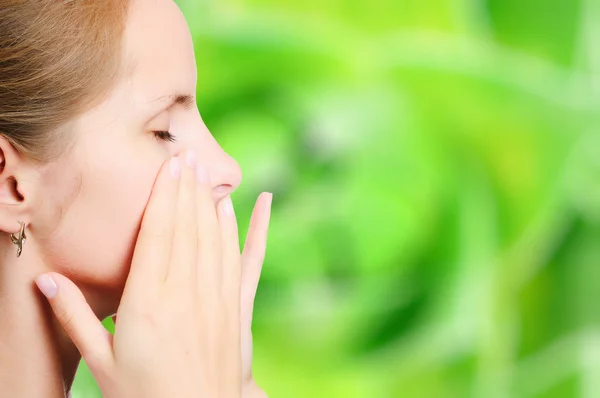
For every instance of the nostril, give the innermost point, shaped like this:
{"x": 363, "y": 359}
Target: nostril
{"x": 223, "y": 189}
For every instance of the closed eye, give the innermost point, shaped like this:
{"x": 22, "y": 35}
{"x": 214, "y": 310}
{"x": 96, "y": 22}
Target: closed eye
{"x": 164, "y": 136}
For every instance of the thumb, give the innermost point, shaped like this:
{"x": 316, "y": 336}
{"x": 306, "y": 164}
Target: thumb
{"x": 77, "y": 318}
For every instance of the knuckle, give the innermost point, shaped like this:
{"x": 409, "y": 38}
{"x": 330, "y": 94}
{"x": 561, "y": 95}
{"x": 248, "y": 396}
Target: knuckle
{"x": 66, "y": 317}
{"x": 152, "y": 320}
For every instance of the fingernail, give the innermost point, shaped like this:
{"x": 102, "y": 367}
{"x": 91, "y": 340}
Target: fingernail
{"x": 228, "y": 206}
{"x": 202, "y": 174}
{"x": 270, "y": 201}
{"x": 175, "y": 167}
{"x": 191, "y": 159}
{"x": 46, "y": 286}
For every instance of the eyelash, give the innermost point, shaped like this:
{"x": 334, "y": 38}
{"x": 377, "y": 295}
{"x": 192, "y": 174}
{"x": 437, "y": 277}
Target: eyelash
{"x": 165, "y": 136}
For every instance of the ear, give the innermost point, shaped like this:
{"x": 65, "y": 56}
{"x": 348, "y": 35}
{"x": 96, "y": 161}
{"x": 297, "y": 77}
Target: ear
{"x": 18, "y": 184}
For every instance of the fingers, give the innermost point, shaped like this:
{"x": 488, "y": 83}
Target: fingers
{"x": 231, "y": 262}
{"x": 185, "y": 243}
{"x": 208, "y": 274}
{"x": 254, "y": 252}
{"x": 77, "y": 318}
{"x": 153, "y": 248}
{"x": 209, "y": 241}
{"x": 231, "y": 271}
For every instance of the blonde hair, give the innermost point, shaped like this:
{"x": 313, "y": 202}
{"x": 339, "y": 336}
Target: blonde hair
{"x": 58, "y": 58}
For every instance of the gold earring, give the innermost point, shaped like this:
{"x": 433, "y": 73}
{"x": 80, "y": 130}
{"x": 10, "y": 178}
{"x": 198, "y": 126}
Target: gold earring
{"x": 19, "y": 239}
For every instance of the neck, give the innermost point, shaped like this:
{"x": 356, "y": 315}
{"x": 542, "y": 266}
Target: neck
{"x": 37, "y": 358}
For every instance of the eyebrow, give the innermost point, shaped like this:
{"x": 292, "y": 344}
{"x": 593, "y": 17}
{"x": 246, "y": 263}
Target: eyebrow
{"x": 185, "y": 100}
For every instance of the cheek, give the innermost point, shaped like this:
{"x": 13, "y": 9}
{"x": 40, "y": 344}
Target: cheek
{"x": 95, "y": 239}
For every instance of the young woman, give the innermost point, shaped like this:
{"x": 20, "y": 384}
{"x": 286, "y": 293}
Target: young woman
{"x": 114, "y": 198}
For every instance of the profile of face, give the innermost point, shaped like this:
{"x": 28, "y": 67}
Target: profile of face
{"x": 89, "y": 202}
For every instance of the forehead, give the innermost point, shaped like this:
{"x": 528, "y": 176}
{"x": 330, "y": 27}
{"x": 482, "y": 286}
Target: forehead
{"x": 158, "y": 50}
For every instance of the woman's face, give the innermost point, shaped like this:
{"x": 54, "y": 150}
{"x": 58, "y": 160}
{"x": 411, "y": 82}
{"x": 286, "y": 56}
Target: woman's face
{"x": 96, "y": 195}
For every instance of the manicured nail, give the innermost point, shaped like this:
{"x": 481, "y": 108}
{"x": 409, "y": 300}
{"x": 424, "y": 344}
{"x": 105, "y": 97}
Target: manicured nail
{"x": 175, "y": 167}
{"x": 46, "y": 285}
{"x": 228, "y": 206}
{"x": 191, "y": 159}
{"x": 202, "y": 174}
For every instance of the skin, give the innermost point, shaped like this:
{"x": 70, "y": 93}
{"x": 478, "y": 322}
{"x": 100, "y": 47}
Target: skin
{"x": 84, "y": 210}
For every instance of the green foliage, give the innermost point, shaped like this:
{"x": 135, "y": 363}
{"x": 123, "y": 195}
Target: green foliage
{"x": 436, "y": 213}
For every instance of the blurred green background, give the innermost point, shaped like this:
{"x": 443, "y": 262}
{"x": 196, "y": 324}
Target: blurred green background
{"x": 436, "y": 171}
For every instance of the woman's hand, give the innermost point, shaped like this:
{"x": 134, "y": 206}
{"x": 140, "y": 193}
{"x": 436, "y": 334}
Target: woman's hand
{"x": 252, "y": 259}
{"x": 178, "y": 332}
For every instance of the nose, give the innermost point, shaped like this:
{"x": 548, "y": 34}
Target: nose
{"x": 225, "y": 178}
{"x": 224, "y": 171}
